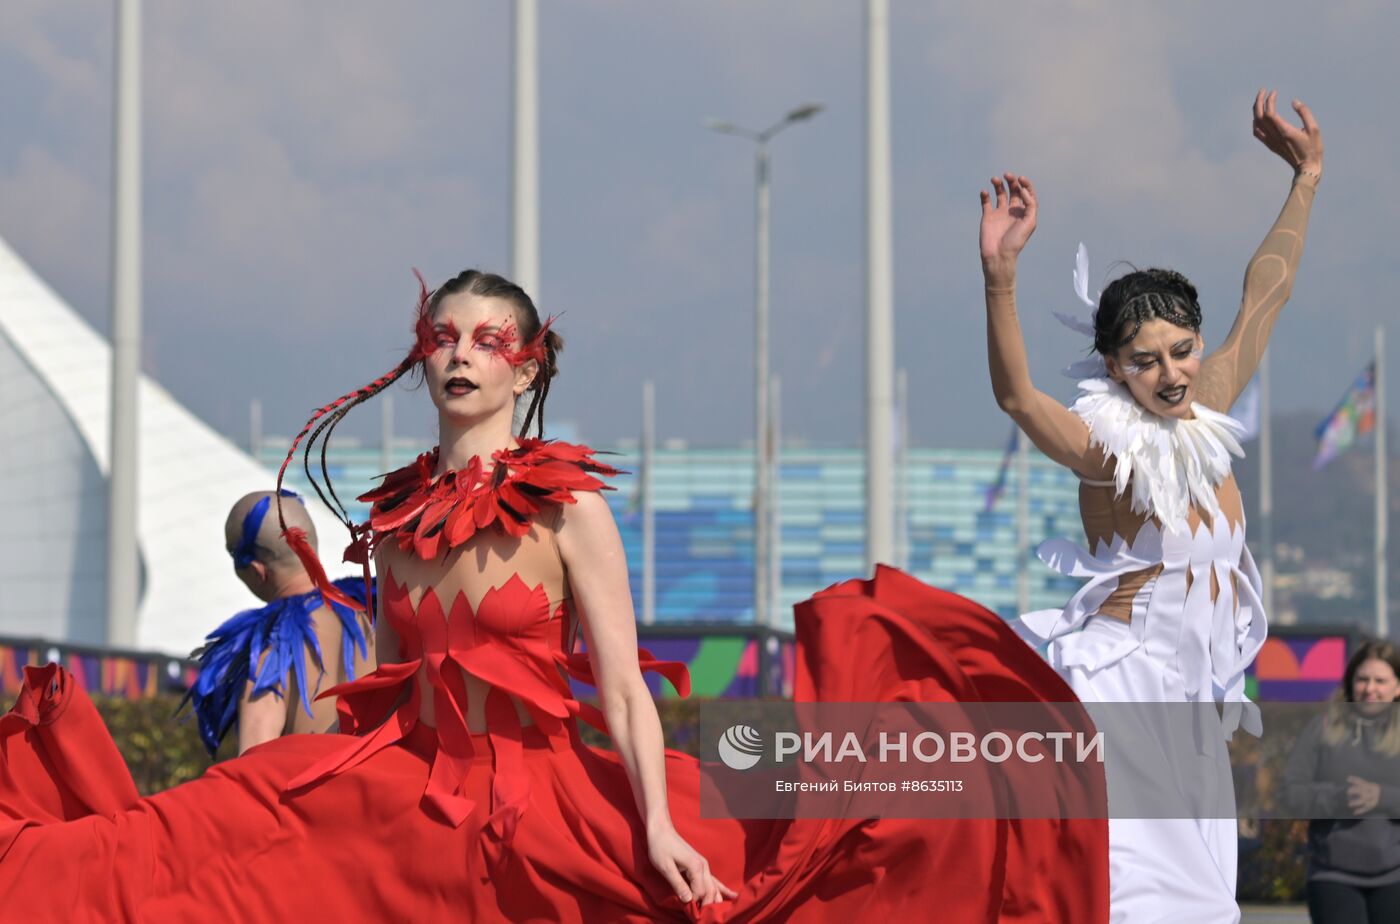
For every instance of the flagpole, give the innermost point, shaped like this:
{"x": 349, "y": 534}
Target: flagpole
{"x": 386, "y": 432}
{"x": 1266, "y": 487}
{"x": 1382, "y": 499}
{"x": 648, "y": 508}
{"x": 775, "y": 497}
{"x": 1023, "y": 509}
{"x": 901, "y": 462}
{"x": 525, "y": 151}
{"x": 255, "y": 429}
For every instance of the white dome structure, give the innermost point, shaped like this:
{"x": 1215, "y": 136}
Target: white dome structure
{"x": 55, "y": 377}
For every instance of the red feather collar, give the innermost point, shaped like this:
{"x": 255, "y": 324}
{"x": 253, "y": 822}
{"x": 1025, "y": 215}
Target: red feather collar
{"x": 427, "y": 515}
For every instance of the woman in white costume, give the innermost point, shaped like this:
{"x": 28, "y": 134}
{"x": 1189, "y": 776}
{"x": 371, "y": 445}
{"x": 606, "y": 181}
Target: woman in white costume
{"x": 1170, "y": 609}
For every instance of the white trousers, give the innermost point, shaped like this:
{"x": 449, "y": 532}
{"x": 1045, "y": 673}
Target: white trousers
{"x": 1161, "y": 870}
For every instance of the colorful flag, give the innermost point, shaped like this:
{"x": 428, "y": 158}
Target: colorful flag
{"x": 994, "y": 492}
{"x": 1353, "y": 417}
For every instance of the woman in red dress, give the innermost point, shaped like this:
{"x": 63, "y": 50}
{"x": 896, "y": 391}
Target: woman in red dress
{"x": 463, "y": 790}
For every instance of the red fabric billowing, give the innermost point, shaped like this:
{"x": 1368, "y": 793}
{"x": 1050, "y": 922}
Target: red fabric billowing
{"x": 407, "y": 822}
{"x": 1053, "y": 870}
{"x": 52, "y": 770}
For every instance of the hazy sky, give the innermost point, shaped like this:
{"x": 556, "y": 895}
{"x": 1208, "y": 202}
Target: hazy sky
{"x": 302, "y": 157}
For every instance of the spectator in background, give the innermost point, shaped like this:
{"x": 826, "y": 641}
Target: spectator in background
{"x": 1344, "y": 775}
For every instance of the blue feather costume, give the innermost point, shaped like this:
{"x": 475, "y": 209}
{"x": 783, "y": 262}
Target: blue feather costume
{"x": 282, "y": 629}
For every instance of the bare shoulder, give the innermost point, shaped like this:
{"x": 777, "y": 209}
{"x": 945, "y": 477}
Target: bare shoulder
{"x": 588, "y": 511}
{"x": 586, "y": 530}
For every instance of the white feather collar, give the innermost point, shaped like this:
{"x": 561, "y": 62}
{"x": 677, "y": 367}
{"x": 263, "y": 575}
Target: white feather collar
{"x": 1171, "y": 464}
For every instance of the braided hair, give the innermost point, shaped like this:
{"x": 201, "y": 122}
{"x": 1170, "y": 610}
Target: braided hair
{"x": 538, "y": 342}
{"x": 1137, "y": 297}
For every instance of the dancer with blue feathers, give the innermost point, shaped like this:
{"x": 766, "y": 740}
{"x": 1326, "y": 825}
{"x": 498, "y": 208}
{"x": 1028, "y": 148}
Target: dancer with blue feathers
{"x": 253, "y": 670}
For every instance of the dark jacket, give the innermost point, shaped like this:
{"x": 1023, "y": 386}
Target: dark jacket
{"x": 1315, "y": 787}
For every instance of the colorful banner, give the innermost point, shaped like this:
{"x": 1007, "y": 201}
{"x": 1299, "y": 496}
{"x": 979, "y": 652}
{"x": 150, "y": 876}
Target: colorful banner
{"x": 722, "y": 663}
{"x": 1299, "y": 666}
{"x": 130, "y": 675}
{"x": 1295, "y": 665}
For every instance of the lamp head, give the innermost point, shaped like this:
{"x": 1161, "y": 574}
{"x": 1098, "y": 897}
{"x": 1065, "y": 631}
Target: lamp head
{"x": 804, "y": 112}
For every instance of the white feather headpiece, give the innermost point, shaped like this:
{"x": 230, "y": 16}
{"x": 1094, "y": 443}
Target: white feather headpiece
{"x": 1093, "y": 366}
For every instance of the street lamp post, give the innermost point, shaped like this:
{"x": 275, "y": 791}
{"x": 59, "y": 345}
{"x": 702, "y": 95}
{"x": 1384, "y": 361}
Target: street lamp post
{"x": 123, "y": 558}
{"x": 879, "y": 312}
{"x": 763, "y": 449}
{"x": 525, "y": 151}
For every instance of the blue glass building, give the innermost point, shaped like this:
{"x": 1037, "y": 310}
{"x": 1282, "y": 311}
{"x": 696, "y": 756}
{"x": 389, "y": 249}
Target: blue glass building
{"x": 704, "y": 525}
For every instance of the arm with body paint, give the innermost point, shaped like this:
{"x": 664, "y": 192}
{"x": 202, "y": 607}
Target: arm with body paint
{"x": 1268, "y": 279}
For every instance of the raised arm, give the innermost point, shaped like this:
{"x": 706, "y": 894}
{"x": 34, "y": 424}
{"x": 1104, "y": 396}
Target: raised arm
{"x": 1007, "y": 225}
{"x": 1268, "y": 279}
{"x": 591, "y": 548}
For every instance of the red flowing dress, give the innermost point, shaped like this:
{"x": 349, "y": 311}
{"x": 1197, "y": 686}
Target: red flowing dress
{"x": 409, "y": 820}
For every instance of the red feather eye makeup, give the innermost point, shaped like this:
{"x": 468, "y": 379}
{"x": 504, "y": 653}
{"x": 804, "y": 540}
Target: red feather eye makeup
{"x": 489, "y": 338}
{"x": 501, "y": 342}
{"x": 445, "y": 335}
{"x": 497, "y": 341}
{"x": 433, "y": 337}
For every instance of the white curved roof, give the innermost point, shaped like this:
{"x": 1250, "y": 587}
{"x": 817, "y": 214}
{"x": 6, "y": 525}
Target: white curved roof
{"x": 188, "y": 478}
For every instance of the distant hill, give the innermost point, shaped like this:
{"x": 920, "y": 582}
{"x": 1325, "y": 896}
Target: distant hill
{"x": 1328, "y": 517}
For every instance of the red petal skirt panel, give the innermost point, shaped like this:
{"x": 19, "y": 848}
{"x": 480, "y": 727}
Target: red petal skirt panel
{"x": 77, "y": 845}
